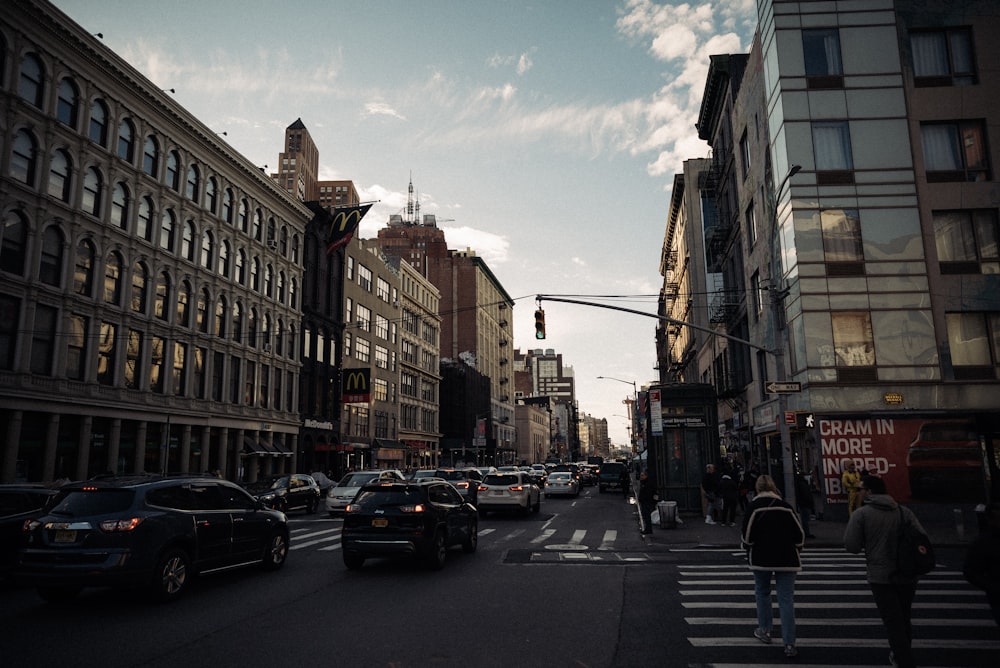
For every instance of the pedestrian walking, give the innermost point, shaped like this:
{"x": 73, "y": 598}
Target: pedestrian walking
{"x": 982, "y": 562}
{"x": 772, "y": 537}
{"x": 874, "y": 528}
{"x": 647, "y": 501}
{"x": 804, "y": 500}
{"x": 728, "y": 494}
{"x": 709, "y": 490}
{"x": 850, "y": 478}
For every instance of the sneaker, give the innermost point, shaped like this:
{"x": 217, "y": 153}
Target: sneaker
{"x": 763, "y": 636}
{"x": 892, "y": 659}
{"x": 709, "y": 520}
{"x": 791, "y": 651}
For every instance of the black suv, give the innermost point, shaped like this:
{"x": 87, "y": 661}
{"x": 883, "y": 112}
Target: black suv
{"x": 612, "y": 475}
{"x": 288, "y": 492}
{"x": 410, "y": 518}
{"x": 150, "y": 531}
{"x": 466, "y": 481}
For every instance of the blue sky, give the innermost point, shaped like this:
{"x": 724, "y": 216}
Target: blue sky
{"x": 543, "y": 134}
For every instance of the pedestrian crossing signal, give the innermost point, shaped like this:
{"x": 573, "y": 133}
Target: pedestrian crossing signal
{"x": 539, "y": 324}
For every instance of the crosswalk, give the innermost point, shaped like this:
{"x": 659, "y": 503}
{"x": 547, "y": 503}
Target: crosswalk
{"x": 834, "y": 610}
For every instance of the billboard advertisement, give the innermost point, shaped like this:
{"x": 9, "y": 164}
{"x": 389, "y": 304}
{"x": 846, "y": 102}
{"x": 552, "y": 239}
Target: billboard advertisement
{"x": 933, "y": 459}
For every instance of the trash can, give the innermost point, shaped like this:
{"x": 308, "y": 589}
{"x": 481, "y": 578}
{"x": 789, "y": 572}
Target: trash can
{"x": 668, "y": 514}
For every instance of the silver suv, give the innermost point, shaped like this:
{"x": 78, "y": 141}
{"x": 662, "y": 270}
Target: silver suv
{"x": 344, "y": 491}
{"x": 508, "y": 490}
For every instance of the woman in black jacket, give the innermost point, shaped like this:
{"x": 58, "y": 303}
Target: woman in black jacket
{"x": 772, "y": 536}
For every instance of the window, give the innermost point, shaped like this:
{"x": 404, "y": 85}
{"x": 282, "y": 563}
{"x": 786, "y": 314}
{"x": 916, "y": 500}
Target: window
{"x": 106, "y": 350}
{"x": 140, "y": 277}
{"x": 757, "y": 295}
{"x": 258, "y": 222}
{"x": 187, "y": 241}
{"x": 252, "y": 327}
{"x": 832, "y": 151}
{"x": 126, "y": 141}
{"x": 92, "y": 184}
{"x": 150, "y": 156}
{"x": 955, "y": 151}
{"x": 43, "y": 336}
{"x": 50, "y": 267}
{"x": 239, "y": 275}
{"x": 160, "y": 311}
{"x": 974, "y": 340}
{"x": 821, "y": 52}
{"x": 365, "y": 278}
{"x": 76, "y": 347}
{"x": 223, "y": 264}
{"x": 218, "y": 375}
{"x": 172, "y": 178}
{"x": 211, "y": 197}
{"x": 751, "y": 221}
{"x": 98, "y": 131}
{"x": 60, "y": 173}
{"x": 745, "y": 156}
{"x": 381, "y": 327}
{"x": 120, "y": 206}
{"x": 943, "y": 58}
{"x": 167, "y": 231}
{"x": 68, "y": 105}
{"x": 362, "y": 350}
{"x": 13, "y": 237}
{"x": 364, "y": 318}
{"x": 179, "y": 375}
{"x": 30, "y": 83}
{"x": 382, "y": 289}
{"x": 250, "y": 393}
{"x": 255, "y": 275}
{"x": 842, "y": 241}
{"x": 227, "y": 206}
{"x": 280, "y": 292}
{"x": 83, "y": 275}
{"x": 133, "y": 360}
{"x": 268, "y": 281}
{"x": 113, "y": 279}
{"x": 9, "y": 308}
{"x": 201, "y": 317}
{"x": 237, "y": 322}
{"x": 235, "y": 365}
{"x": 381, "y": 357}
{"x": 207, "y": 249}
{"x": 156, "y": 348}
{"x": 853, "y": 343}
{"x": 193, "y": 183}
{"x": 23, "y": 156}
{"x": 183, "y": 298}
{"x": 221, "y": 309}
{"x": 241, "y": 216}
{"x": 967, "y": 241}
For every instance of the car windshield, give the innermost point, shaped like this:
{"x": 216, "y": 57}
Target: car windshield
{"x": 356, "y": 479}
{"x": 560, "y": 476}
{"x": 500, "y": 479}
{"x": 84, "y": 502}
{"x": 280, "y": 483}
{"x": 391, "y": 497}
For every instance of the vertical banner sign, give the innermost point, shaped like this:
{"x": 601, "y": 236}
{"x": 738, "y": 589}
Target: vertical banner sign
{"x": 340, "y": 223}
{"x": 356, "y": 388}
{"x": 656, "y": 412}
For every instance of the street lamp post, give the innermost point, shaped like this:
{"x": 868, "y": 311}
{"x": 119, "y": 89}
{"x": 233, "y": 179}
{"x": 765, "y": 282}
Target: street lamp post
{"x": 778, "y": 295}
{"x": 632, "y": 407}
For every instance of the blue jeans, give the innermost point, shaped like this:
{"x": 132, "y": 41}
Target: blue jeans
{"x": 784, "y": 584}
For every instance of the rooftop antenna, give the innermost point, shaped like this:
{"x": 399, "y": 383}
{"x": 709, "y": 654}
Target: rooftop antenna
{"x": 409, "y": 200}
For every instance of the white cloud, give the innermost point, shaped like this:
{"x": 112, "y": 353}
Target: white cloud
{"x": 524, "y": 63}
{"x": 382, "y": 109}
{"x": 493, "y": 248}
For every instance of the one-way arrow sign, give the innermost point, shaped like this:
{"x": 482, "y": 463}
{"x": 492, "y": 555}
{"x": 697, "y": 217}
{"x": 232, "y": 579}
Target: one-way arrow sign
{"x": 783, "y": 388}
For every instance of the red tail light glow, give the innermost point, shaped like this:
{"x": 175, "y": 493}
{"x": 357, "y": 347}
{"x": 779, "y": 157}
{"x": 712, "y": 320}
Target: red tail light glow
{"x": 516, "y": 488}
{"x": 415, "y": 508}
{"x": 121, "y": 525}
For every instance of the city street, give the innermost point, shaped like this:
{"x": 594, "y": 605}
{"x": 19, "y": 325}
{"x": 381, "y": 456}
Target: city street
{"x": 574, "y": 585}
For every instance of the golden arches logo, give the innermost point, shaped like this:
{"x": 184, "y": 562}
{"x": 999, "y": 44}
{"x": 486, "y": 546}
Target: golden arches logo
{"x": 355, "y": 381}
{"x": 346, "y": 220}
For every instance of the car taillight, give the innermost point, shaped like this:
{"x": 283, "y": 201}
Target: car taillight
{"x": 415, "y": 508}
{"x": 119, "y": 526}
{"x": 30, "y": 525}
{"x": 462, "y": 485}
{"x": 483, "y": 488}
{"x": 352, "y": 508}
{"x": 516, "y": 488}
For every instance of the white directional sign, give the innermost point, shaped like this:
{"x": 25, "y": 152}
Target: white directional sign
{"x": 783, "y": 388}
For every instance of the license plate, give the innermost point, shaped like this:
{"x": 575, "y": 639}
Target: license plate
{"x": 65, "y": 536}
{"x": 497, "y": 492}
{"x": 380, "y": 522}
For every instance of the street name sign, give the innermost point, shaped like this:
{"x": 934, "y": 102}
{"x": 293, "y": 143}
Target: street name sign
{"x": 783, "y": 388}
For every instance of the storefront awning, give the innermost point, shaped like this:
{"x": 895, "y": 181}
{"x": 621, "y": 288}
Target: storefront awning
{"x": 253, "y": 447}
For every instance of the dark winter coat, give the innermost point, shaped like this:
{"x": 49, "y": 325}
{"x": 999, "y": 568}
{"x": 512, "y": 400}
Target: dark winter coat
{"x": 874, "y": 528}
{"x": 727, "y": 489}
{"x": 772, "y": 534}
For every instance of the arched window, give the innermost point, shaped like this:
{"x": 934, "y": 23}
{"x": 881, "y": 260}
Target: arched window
{"x": 252, "y": 327}
{"x": 113, "y": 279}
{"x": 13, "y": 239}
{"x": 283, "y": 241}
{"x": 32, "y": 77}
{"x": 68, "y": 106}
{"x": 140, "y": 281}
{"x": 24, "y": 157}
{"x": 255, "y": 274}
{"x": 83, "y": 276}
{"x": 265, "y": 334}
{"x": 221, "y": 311}
{"x": 144, "y": 221}
{"x": 193, "y": 182}
{"x": 187, "y": 241}
{"x": 167, "y": 225}
{"x": 50, "y": 267}
{"x": 99, "y": 123}
{"x": 120, "y": 206}
{"x": 237, "y": 322}
{"x": 126, "y": 141}
{"x": 239, "y": 273}
{"x": 271, "y": 231}
{"x": 151, "y": 156}
{"x": 279, "y": 339}
{"x": 227, "y": 206}
{"x": 207, "y": 249}
{"x": 291, "y": 342}
{"x": 204, "y": 299}
{"x": 92, "y": 184}
{"x": 258, "y": 224}
{"x": 224, "y": 259}
{"x": 295, "y": 248}
{"x": 211, "y": 196}
{"x": 242, "y": 216}
{"x": 281, "y": 287}
{"x": 293, "y": 296}
{"x": 60, "y": 175}
{"x": 183, "y": 299}
{"x": 173, "y": 175}
{"x": 162, "y": 297}
{"x": 268, "y": 281}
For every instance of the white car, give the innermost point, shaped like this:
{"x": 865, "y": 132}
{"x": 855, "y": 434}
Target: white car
{"x": 561, "y": 482}
{"x": 511, "y": 490}
{"x": 344, "y": 491}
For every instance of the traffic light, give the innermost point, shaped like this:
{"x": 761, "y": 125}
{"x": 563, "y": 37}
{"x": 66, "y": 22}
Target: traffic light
{"x": 539, "y": 324}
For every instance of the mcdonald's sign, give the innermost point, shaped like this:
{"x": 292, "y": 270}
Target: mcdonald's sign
{"x": 356, "y": 386}
{"x": 340, "y": 223}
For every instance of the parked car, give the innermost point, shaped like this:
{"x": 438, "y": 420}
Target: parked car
{"x": 344, "y": 491}
{"x": 18, "y": 503}
{"x": 409, "y": 518}
{"x": 148, "y": 531}
{"x": 562, "y": 483}
{"x": 288, "y": 492}
{"x": 945, "y": 460}
{"x": 612, "y": 475}
{"x": 466, "y": 481}
{"x": 512, "y": 490}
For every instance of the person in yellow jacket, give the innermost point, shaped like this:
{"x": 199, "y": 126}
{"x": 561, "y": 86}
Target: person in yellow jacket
{"x": 851, "y": 479}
